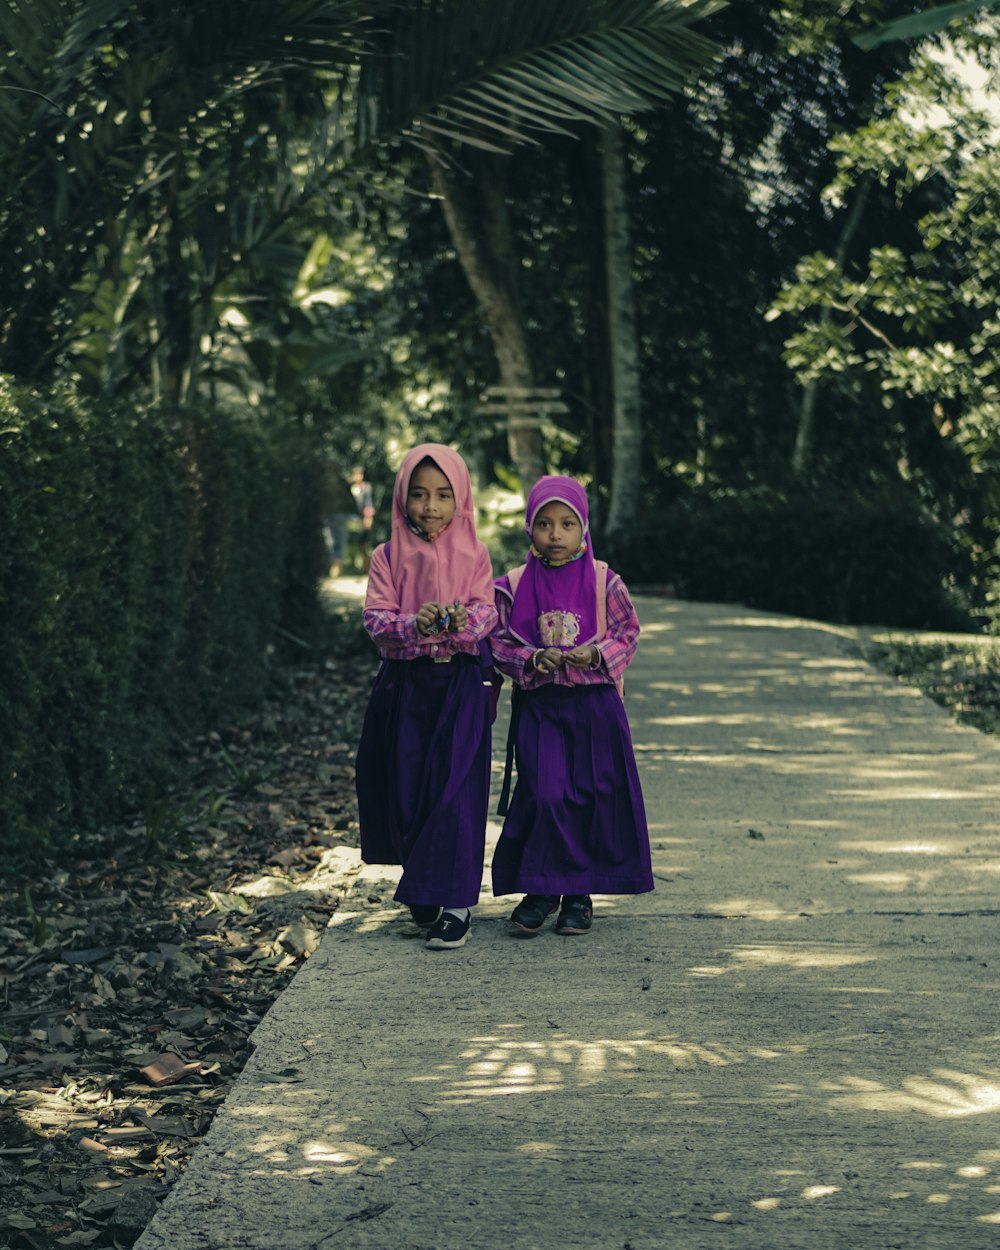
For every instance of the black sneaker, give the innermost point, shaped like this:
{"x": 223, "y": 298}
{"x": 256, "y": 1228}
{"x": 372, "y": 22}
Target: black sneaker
{"x": 532, "y": 911}
{"x": 576, "y": 914}
{"x": 449, "y": 932}
{"x": 425, "y": 913}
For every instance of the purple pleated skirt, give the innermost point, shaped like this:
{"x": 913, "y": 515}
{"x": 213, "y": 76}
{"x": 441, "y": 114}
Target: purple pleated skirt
{"x": 577, "y": 822}
{"x": 423, "y": 778}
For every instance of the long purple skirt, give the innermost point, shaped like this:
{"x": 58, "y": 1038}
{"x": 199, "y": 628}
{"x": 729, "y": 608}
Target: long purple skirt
{"x": 423, "y": 778}
{"x": 577, "y": 822}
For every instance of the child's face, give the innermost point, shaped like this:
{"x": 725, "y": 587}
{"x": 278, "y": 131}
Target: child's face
{"x": 556, "y": 531}
{"x": 430, "y": 501}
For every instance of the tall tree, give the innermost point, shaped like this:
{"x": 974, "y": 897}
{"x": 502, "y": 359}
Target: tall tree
{"x": 476, "y": 211}
{"x": 602, "y": 58}
{"x": 622, "y": 337}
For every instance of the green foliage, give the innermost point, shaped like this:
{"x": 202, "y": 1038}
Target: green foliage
{"x": 960, "y": 674}
{"x": 830, "y": 555}
{"x": 543, "y": 66}
{"x": 144, "y": 569}
{"x": 904, "y": 334}
{"x": 928, "y": 22}
{"x": 920, "y": 312}
{"x": 160, "y": 160}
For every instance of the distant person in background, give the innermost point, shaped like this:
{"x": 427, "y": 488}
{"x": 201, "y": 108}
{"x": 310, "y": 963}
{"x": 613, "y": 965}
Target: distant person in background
{"x": 364, "y": 504}
{"x": 338, "y": 508}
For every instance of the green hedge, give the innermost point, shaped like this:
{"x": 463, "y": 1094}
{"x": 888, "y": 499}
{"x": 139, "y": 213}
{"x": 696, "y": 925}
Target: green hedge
{"x": 829, "y": 555}
{"x": 145, "y": 562}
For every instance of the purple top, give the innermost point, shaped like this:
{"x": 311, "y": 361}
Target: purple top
{"x": 617, "y": 647}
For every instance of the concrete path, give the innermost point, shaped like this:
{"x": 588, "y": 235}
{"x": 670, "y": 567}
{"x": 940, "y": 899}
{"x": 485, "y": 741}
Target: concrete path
{"x": 792, "y": 1043}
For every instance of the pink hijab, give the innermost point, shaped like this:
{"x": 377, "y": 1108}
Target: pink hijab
{"x": 557, "y": 607}
{"x": 455, "y": 567}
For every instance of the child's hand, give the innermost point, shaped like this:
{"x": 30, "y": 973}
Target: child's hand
{"x": 547, "y": 660}
{"x": 428, "y": 617}
{"x": 584, "y": 657}
{"x": 459, "y": 617}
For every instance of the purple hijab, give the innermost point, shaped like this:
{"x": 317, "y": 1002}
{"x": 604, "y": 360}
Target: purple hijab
{"x": 557, "y": 606}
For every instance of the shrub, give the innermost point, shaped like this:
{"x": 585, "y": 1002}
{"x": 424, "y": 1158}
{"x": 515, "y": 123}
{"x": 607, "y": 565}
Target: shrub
{"x": 829, "y": 555}
{"x": 142, "y": 574}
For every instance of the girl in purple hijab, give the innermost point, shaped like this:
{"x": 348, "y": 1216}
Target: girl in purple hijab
{"x": 566, "y": 632}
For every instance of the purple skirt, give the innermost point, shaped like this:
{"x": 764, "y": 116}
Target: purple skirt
{"x": 423, "y": 778}
{"x": 577, "y": 822}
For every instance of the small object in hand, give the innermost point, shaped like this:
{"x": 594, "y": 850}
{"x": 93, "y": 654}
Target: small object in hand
{"x": 440, "y": 626}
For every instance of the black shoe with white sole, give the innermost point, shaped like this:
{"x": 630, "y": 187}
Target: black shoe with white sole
{"x": 449, "y": 932}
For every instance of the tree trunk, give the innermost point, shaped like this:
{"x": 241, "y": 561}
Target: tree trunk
{"x": 485, "y": 248}
{"x": 805, "y": 433}
{"x": 584, "y": 167}
{"x": 623, "y": 339}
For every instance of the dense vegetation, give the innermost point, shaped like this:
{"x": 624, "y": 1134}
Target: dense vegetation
{"x": 224, "y": 263}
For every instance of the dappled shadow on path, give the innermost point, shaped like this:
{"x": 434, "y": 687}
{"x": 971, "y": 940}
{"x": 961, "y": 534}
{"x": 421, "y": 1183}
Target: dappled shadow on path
{"x": 772, "y": 1137}
{"x": 798, "y": 1087}
{"x": 794, "y": 1036}
{"x": 823, "y": 784}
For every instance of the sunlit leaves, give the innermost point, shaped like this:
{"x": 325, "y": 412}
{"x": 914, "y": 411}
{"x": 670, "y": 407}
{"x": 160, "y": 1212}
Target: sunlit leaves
{"x": 920, "y": 317}
{"x": 930, "y": 127}
{"x": 933, "y": 19}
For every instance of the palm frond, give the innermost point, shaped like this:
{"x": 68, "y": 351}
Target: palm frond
{"x": 497, "y": 72}
{"x": 918, "y": 25}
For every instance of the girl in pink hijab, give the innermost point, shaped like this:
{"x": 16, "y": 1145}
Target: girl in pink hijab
{"x": 566, "y": 632}
{"x": 423, "y": 763}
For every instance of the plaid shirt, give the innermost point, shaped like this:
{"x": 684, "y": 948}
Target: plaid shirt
{"x": 617, "y": 647}
{"x": 395, "y": 633}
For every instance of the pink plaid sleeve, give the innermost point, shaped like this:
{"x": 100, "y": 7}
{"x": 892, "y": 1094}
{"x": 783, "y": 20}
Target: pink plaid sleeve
{"x": 391, "y": 629}
{"x": 509, "y": 654}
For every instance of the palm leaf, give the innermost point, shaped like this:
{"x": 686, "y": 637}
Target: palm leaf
{"x": 499, "y": 71}
{"x": 918, "y": 25}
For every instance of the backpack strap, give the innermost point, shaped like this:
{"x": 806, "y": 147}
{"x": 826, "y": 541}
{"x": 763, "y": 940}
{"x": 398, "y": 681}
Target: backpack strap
{"x": 513, "y": 577}
{"x": 602, "y": 612}
{"x": 602, "y": 597}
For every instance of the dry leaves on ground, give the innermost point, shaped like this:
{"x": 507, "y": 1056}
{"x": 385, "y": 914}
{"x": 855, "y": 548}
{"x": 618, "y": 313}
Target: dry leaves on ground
{"x": 134, "y": 966}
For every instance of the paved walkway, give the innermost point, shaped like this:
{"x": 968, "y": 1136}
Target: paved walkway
{"x": 792, "y": 1043}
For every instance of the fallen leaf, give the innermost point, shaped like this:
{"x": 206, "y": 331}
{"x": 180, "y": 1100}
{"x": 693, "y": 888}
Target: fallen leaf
{"x": 17, "y": 1220}
{"x": 140, "y": 939}
{"x": 168, "y": 1069}
{"x": 93, "y": 955}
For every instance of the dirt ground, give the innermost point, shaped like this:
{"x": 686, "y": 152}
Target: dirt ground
{"x": 135, "y": 965}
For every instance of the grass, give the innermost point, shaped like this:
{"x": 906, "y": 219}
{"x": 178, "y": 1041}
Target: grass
{"x": 961, "y": 674}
